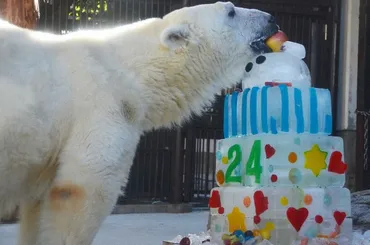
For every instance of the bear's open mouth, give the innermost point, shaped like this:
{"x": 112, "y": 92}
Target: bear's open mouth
{"x": 259, "y": 44}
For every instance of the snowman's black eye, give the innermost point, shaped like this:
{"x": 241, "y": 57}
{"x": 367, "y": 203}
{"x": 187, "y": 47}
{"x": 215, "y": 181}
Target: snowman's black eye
{"x": 249, "y": 67}
{"x": 232, "y": 13}
{"x": 260, "y": 59}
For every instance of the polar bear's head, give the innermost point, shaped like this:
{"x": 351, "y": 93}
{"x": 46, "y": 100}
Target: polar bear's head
{"x": 194, "y": 52}
{"x": 231, "y": 30}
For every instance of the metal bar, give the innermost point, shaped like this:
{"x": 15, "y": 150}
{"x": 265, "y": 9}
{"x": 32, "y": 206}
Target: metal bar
{"x": 126, "y": 11}
{"x": 176, "y": 173}
{"x": 138, "y": 165}
{"x": 214, "y": 162}
{"x": 198, "y": 162}
{"x": 144, "y": 163}
{"x": 155, "y": 194}
{"x": 207, "y": 163}
{"x": 333, "y": 34}
{"x": 163, "y": 193}
{"x": 189, "y": 156}
{"x": 201, "y": 163}
{"x": 59, "y": 16}
{"x": 362, "y": 71}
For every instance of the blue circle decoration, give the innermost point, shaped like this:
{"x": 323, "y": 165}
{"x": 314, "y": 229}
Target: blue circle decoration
{"x": 327, "y": 200}
{"x": 295, "y": 176}
{"x": 218, "y": 155}
{"x": 217, "y": 228}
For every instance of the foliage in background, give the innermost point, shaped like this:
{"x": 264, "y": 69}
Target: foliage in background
{"x": 88, "y": 8}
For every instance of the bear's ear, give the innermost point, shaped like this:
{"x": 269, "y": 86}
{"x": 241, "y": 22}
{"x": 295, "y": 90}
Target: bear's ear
{"x": 175, "y": 36}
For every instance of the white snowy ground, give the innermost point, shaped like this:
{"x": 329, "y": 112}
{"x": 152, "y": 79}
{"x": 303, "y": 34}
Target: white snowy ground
{"x": 134, "y": 229}
{"x": 149, "y": 229}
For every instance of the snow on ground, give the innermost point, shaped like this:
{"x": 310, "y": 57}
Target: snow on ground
{"x": 134, "y": 229}
{"x": 149, "y": 229}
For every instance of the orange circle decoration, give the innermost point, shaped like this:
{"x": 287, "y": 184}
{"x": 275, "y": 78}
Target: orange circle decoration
{"x": 292, "y": 157}
{"x": 307, "y": 199}
{"x": 225, "y": 160}
{"x": 220, "y": 177}
{"x": 247, "y": 201}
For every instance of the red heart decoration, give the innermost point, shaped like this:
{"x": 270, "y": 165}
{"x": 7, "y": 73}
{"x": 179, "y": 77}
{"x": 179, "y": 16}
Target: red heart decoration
{"x": 260, "y": 202}
{"x": 257, "y": 219}
{"x": 297, "y": 217}
{"x": 269, "y": 150}
{"x": 339, "y": 217}
{"x": 215, "y": 200}
{"x": 336, "y": 165}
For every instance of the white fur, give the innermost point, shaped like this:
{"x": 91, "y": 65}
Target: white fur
{"x": 73, "y": 108}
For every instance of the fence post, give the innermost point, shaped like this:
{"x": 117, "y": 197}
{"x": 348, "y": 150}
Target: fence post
{"x": 189, "y": 161}
{"x": 359, "y": 169}
{"x": 177, "y": 168}
{"x": 362, "y": 102}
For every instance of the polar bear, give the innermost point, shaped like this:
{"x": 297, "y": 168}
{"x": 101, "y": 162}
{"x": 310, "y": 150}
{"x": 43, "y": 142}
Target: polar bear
{"x": 73, "y": 107}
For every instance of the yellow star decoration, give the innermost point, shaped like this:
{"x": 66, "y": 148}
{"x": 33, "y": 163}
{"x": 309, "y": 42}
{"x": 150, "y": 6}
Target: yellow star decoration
{"x": 236, "y": 220}
{"x": 315, "y": 159}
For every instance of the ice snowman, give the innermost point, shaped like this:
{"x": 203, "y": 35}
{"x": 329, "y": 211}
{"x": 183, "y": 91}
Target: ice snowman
{"x": 284, "y": 65}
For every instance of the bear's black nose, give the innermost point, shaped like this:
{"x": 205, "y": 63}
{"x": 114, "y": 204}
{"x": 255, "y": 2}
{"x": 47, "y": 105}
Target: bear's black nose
{"x": 272, "y": 20}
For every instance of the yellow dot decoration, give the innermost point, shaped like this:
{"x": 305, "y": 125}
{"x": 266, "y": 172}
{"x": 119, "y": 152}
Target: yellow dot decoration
{"x": 265, "y": 234}
{"x": 284, "y": 201}
{"x": 270, "y": 226}
{"x": 225, "y": 160}
{"x": 292, "y": 158}
{"x": 247, "y": 202}
{"x": 307, "y": 199}
{"x": 220, "y": 177}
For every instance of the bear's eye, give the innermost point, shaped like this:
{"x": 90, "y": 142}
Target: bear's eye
{"x": 232, "y": 13}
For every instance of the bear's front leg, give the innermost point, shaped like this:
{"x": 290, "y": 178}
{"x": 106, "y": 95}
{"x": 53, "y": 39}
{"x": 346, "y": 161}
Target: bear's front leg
{"x": 92, "y": 169}
{"x": 29, "y": 222}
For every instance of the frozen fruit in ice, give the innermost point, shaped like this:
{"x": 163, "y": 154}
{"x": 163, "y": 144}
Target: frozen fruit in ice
{"x": 238, "y": 233}
{"x": 185, "y": 241}
{"x": 236, "y": 243}
{"x": 225, "y": 237}
{"x": 249, "y": 233}
{"x": 276, "y": 41}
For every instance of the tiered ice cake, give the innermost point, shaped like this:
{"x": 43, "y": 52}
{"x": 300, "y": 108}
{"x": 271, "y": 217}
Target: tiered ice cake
{"x": 280, "y": 174}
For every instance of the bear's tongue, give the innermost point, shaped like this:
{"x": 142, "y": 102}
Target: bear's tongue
{"x": 276, "y": 41}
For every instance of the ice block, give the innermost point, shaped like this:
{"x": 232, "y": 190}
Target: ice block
{"x": 281, "y": 160}
{"x": 278, "y": 110}
{"x": 285, "y": 214}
